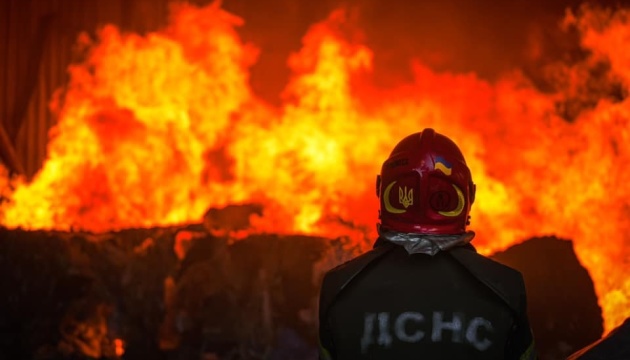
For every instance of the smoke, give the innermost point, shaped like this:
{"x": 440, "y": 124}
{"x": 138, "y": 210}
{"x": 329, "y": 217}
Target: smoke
{"x": 487, "y": 37}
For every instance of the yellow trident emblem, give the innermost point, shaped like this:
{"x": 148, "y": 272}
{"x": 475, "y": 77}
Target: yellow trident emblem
{"x": 405, "y": 197}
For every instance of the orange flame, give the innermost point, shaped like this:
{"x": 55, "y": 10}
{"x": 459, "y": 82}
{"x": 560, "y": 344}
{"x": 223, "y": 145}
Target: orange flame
{"x": 119, "y": 347}
{"x": 155, "y": 130}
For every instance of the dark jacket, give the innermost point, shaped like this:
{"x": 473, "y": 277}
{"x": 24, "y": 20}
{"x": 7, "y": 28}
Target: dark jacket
{"x": 387, "y": 304}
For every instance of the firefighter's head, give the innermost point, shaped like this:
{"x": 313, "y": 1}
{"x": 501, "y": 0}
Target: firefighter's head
{"x": 425, "y": 186}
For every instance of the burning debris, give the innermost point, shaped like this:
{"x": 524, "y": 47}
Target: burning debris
{"x": 130, "y": 294}
{"x": 70, "y": 296}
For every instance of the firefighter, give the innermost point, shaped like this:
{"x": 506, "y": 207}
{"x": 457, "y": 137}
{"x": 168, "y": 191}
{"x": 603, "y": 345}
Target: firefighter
{"x": 423, "y": 292}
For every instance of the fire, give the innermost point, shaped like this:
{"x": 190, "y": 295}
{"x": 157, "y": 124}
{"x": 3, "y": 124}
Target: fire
{"x": 119, "y": 347}
{"x": 154, "y": 130}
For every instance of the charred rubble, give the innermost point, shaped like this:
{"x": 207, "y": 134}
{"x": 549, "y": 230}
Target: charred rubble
{"x": 562, "y": 304}
{"x": 168, "y": 293}
{"x": 191, "y": 293}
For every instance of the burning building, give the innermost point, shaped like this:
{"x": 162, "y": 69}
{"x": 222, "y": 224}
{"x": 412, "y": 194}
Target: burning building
{"x": 179, "y": 135}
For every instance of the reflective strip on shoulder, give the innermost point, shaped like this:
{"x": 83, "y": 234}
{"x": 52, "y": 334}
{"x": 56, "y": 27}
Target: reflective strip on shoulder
{"x": 529, "y": 354}
{"x": 324, "y": 354}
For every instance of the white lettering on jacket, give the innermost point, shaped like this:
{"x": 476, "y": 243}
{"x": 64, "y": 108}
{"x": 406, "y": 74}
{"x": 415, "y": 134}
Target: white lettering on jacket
{"x": 411, "y": 327}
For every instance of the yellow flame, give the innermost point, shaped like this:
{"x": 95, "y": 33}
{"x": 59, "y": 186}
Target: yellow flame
{"x": 156, "y": 129}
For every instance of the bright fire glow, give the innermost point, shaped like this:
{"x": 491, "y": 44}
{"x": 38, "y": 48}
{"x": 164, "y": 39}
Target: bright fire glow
{"x": 119, "y": 347}
{"x": 154, "y": 130}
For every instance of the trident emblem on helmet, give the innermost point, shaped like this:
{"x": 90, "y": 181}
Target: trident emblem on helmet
{"x": 405, "y": 197}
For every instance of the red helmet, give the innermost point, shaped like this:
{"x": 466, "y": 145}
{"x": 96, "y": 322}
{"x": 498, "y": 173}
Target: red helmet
{"x": 425, "y": 186}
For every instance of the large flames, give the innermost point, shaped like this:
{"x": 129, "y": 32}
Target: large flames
{"x": 154, "y": 130}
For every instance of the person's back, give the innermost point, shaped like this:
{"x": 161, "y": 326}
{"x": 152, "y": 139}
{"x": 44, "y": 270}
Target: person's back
{"x": 424, "y": 292}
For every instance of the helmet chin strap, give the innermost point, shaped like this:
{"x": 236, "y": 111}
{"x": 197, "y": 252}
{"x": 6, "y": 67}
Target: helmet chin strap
{"x": 425, "y": 243}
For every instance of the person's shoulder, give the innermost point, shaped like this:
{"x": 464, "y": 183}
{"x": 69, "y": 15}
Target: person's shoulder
{"x": 505, "y": 281}
{"x": 497, "y": 267}
{"x": 342, "y": 273}
{"x": 337, "y": 278}
{"x": 353, "y": 264}
{"x": 486, "y": 264}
